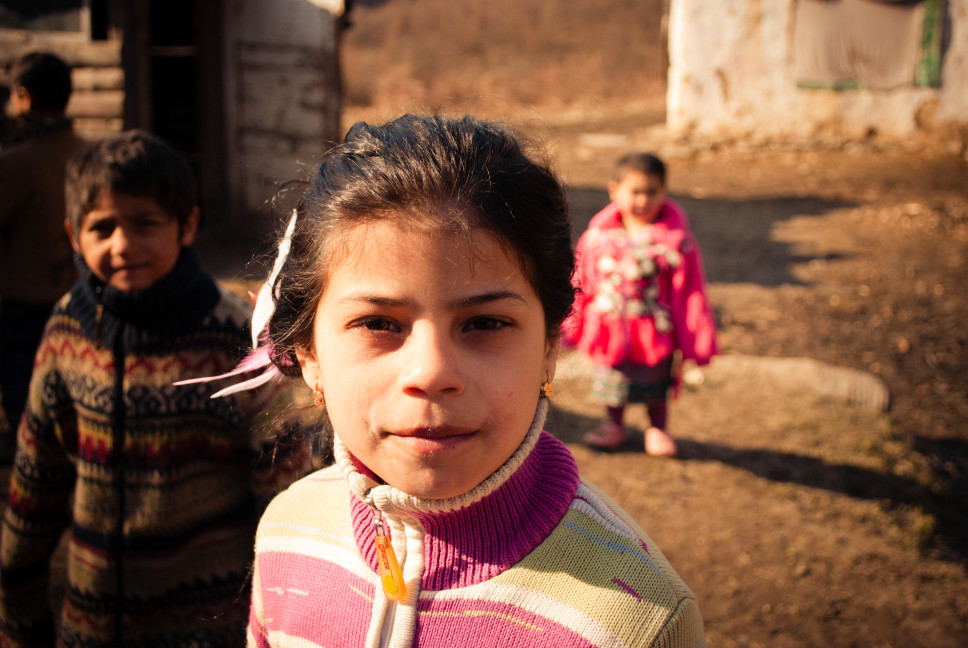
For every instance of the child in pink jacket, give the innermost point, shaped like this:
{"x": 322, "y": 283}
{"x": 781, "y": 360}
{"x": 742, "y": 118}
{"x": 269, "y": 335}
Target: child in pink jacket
{"x": 641, "y": 297}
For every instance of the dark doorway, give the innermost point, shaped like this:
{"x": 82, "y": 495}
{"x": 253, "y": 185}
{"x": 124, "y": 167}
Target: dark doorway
{"x": 174, "y": 86}
{"x": 174, "y": 74}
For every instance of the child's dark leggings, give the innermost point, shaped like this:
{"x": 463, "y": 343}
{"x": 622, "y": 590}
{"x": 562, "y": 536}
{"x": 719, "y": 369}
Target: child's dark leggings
{"x": 658, "y": 414}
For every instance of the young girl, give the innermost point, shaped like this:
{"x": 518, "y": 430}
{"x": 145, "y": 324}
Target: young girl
{"x": 641, "y": 297}
{"x": 420, "y": 298}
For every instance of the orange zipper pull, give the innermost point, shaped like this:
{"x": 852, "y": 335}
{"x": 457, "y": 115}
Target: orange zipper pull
{"x": 390, "y": 573}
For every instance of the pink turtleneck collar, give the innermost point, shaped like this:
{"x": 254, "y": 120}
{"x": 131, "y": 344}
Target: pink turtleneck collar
{"x": 473, "y": 537}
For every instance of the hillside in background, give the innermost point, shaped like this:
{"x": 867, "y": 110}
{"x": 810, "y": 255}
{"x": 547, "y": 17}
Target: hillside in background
{"x": 503, "y": 55}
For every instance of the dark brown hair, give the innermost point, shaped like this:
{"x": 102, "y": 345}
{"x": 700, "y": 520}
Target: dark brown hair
{"x": 46, "y": 78}
{"x": 133, "y": 163}
{"x": 646, "y": 163}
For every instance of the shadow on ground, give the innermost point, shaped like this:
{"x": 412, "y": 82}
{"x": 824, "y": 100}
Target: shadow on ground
{"x": 853, "y": 481}
{"x": 949, "y": 458}
{"x": 949, "y": 537}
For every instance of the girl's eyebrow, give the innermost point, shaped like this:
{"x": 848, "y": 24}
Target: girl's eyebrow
{"x": 463, "y": 302}
{"x": 371, "y": 299}
{"x": 486, "y": 298}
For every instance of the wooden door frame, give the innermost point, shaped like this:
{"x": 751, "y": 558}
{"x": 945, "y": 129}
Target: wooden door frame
{"x": 134, "y": 19}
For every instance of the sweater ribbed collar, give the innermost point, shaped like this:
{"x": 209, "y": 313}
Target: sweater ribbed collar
{"x": 175, "y": 303}
{"x": 475, "y": 536}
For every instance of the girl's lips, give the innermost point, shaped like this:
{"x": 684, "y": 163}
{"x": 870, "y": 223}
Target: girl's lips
{"x": 434, "y": 439}
{"x": 434, "y": 432}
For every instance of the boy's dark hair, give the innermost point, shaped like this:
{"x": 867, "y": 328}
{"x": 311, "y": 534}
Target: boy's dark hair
{"x": 646, "y": 163}
{"x": 442, "y": 173}
{"x": 46, "y": 77}
{"x": 133, "y": 163}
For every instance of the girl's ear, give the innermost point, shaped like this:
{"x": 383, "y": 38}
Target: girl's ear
{"x": 551, "y": 359}
{"x": 309, "y": 365}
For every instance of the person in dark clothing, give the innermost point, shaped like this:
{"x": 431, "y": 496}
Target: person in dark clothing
{"x": 36, "y": 260}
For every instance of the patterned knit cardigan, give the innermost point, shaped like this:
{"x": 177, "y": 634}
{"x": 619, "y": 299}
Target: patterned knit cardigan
{"x": 161, "y": 485}
{"x": 533, "y": 556}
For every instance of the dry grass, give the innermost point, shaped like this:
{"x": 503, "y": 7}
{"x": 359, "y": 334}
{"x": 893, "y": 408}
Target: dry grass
{"x": 554, "y": 54}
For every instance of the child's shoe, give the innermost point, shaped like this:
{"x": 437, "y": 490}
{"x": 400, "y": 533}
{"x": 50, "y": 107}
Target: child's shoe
{"x": 607, "y": 436}
{"x": 659, "y": 443}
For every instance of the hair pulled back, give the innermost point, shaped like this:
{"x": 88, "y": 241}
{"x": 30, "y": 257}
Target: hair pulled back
{"x": 443, "y": 173}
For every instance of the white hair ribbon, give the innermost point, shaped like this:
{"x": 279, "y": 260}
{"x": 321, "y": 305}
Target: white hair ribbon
{"x": 259, "y": 356}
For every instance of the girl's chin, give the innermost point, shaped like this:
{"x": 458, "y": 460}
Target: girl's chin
{"x": 437, "y": 483}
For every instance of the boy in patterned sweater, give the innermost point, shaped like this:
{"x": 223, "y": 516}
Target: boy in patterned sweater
{"x": 160, "y": 485}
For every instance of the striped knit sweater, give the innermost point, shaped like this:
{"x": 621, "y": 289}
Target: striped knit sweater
{"x": 160, "y": 486}
{"x": 533, "y": 556}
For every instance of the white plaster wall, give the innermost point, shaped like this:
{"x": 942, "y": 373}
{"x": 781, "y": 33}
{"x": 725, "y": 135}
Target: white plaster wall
{"x": 282, "y": 92}
{"x": 953, "y": 100}
{"x": 731, "y": 76}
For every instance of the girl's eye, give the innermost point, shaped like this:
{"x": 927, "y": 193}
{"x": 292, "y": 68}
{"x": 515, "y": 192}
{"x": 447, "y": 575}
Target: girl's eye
{"x": 485, "y": 324}
{"x": 378, "y": 324}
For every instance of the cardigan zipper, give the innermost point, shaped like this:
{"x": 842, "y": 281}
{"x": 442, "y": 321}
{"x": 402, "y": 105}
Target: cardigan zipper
{"x": 98, "y": 316}
{"x": 391, "y": 576}
{"x": 119, "y": 434}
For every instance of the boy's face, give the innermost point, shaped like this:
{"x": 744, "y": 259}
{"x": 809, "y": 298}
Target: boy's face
{"x": 129, "y": 242}
{"x": 639, "y": 196}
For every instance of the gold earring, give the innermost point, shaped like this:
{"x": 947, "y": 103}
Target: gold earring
{"x": 318, "y": 399}
{"x": 546, "y": 388}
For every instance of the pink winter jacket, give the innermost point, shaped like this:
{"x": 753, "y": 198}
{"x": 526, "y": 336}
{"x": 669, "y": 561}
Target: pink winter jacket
{"x": 642, "y": 296}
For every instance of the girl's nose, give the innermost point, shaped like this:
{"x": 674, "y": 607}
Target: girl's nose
{"x": 432, "y": 363}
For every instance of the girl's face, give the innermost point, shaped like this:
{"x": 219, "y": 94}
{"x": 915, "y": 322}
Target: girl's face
{"x": 639, "y": 196}
{"x": 430, "y": 350}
